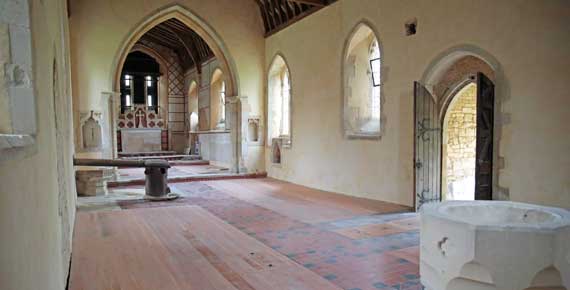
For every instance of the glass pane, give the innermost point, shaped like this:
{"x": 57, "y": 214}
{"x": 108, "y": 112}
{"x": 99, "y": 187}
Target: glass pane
{"x": 375, "y": 104}
{"x": 286, "y": 97}
{"x": 127, "y": 80}
{"x": 375, "y": 68}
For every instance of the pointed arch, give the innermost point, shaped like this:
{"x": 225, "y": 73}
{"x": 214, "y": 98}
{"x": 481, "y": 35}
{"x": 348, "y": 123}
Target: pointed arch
{"x": 203, "y": 29}
{"x": 440, "y": 65}
{"x": 218, "y": 96}
{"x": 192, "y": 106}
{"x": 279, "y": 101}
{"x": 361, "y": 75}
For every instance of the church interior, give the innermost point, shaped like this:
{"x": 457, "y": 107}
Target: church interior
{"x": 284, "y": 144}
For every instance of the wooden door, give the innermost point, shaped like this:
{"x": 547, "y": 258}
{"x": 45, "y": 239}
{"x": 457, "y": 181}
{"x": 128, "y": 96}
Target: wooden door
{"x": 484, "y": 151}
{"x": 427, "y": 148}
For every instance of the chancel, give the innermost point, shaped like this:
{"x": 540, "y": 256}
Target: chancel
{"x": 284, "y": 144}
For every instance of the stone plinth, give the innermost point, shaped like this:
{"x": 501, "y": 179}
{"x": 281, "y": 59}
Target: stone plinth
{"x": 141, "y": 140}
{"x": 494, "y": 245}
{"x": 92, "y": 181}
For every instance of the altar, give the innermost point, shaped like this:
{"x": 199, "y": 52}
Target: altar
{"x": 141, "y": 129}
{"x": 141, "y": 140}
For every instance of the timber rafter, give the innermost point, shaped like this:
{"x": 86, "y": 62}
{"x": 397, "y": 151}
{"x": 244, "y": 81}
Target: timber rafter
{"x": 279, "y": 14}
{"x": 187, "y": 44}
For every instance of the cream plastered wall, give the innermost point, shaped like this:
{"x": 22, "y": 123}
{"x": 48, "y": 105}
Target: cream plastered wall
{"x": 35, "y": 215}
{"x": 530, "y": 40}
{"x": 99, "y": 28}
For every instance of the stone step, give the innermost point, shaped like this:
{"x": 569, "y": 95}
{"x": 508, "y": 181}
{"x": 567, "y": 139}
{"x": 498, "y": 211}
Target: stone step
{"x": 145, "y": 154}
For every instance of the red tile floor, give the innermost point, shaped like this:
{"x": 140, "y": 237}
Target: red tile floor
{"x": 361, "y": 251}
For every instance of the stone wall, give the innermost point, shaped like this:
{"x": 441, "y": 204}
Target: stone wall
{"x": 460, "y": 130}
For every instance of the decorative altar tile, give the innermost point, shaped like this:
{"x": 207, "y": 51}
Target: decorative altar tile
{"x": 141, "y": 140}
{"x": 140, "y": 116}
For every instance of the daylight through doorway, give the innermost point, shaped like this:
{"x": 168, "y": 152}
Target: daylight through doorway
{"x": 459, "y": 145}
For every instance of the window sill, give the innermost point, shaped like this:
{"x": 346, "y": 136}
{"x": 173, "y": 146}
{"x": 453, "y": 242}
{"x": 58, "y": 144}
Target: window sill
{"x": 365, "y": 136}
{"x": 286, "y": 142}
{"x": 12, "y": 141}
{"x": 211, "y": 132}
{"x": 12, "y": 146}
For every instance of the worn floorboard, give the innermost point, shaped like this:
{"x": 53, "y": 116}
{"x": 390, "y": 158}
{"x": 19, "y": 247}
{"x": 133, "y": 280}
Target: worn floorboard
{"x": 302, "y": 203}
{"x": 183, "y": 247}
{"x": 353, "y": 243}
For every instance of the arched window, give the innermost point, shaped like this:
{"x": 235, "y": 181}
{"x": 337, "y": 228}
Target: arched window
{"x": 362, "y": 84}
{"x": 223, "y": 102}
{"x": 375, "y": 80}
{"x": 193, "y": 106}
{"x": 279, "y": 101}
{"x": 218, "y": 100}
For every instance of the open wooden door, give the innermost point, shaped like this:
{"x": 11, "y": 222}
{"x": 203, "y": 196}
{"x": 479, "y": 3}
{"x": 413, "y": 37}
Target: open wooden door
{"x": 427, "y": 147}
{"x": 484, "y": 154}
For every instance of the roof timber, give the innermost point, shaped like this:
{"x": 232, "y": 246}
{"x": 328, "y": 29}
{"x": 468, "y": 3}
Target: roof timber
{"x": 279, "y": 14}
{"x": 191, "y": 49}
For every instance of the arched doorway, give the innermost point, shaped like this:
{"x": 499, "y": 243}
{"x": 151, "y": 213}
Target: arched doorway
{"x": 459, "y": 144}
{"x": 454, "y": 129}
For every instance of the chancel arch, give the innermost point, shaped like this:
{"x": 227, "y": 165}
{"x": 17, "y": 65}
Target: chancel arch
{"x": 186, "y": 48}
{"x": 362, "y": 83}
{"x": 190, "y": 47}
{"x": 193, "y": 22}
{"x": 279, "y": 101}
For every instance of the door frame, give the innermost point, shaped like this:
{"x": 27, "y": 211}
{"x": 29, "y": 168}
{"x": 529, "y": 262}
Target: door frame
{"x": 436, "y": 69}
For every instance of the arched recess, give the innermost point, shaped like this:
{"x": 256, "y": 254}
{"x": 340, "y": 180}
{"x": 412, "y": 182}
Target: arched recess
{"x": 163, "y": 83}
{"x": 203, "y": 29}
{"x": 443, "y": 61}
{"x": 547, "y": 279}
{"x": 217, "y": 99}
{"x": 279, "y": 101}
{"x": 362, "y": 96}
{"x": 192, "y": 106}
{"x": 425, "y": 163}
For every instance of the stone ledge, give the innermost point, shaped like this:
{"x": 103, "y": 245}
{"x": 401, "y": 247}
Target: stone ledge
{"x": 11, "y": 141}
{"x": 364, "y": 136}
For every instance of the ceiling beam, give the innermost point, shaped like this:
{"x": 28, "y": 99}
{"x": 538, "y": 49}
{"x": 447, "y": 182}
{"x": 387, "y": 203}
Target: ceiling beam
{"x": 319, "y": 3}
{"x": 292, "y": 21}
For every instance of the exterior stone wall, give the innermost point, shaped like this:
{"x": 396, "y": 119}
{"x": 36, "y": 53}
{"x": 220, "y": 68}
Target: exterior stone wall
{"x": 460, "y": 144}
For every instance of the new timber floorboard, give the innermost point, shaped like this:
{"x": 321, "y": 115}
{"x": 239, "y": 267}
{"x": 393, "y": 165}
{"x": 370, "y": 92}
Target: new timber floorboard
{"x": 182, "y": 247}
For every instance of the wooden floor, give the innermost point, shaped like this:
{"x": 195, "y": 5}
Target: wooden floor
{"x": 302, "y": 203}
{"x": 247, "y": 234}
{"x": 183, "y": 247}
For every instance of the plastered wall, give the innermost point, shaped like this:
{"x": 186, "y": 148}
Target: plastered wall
{"x": 37, "y": 209}
{"x": 529, "y": 39}
{"x": 99, "y": 28}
